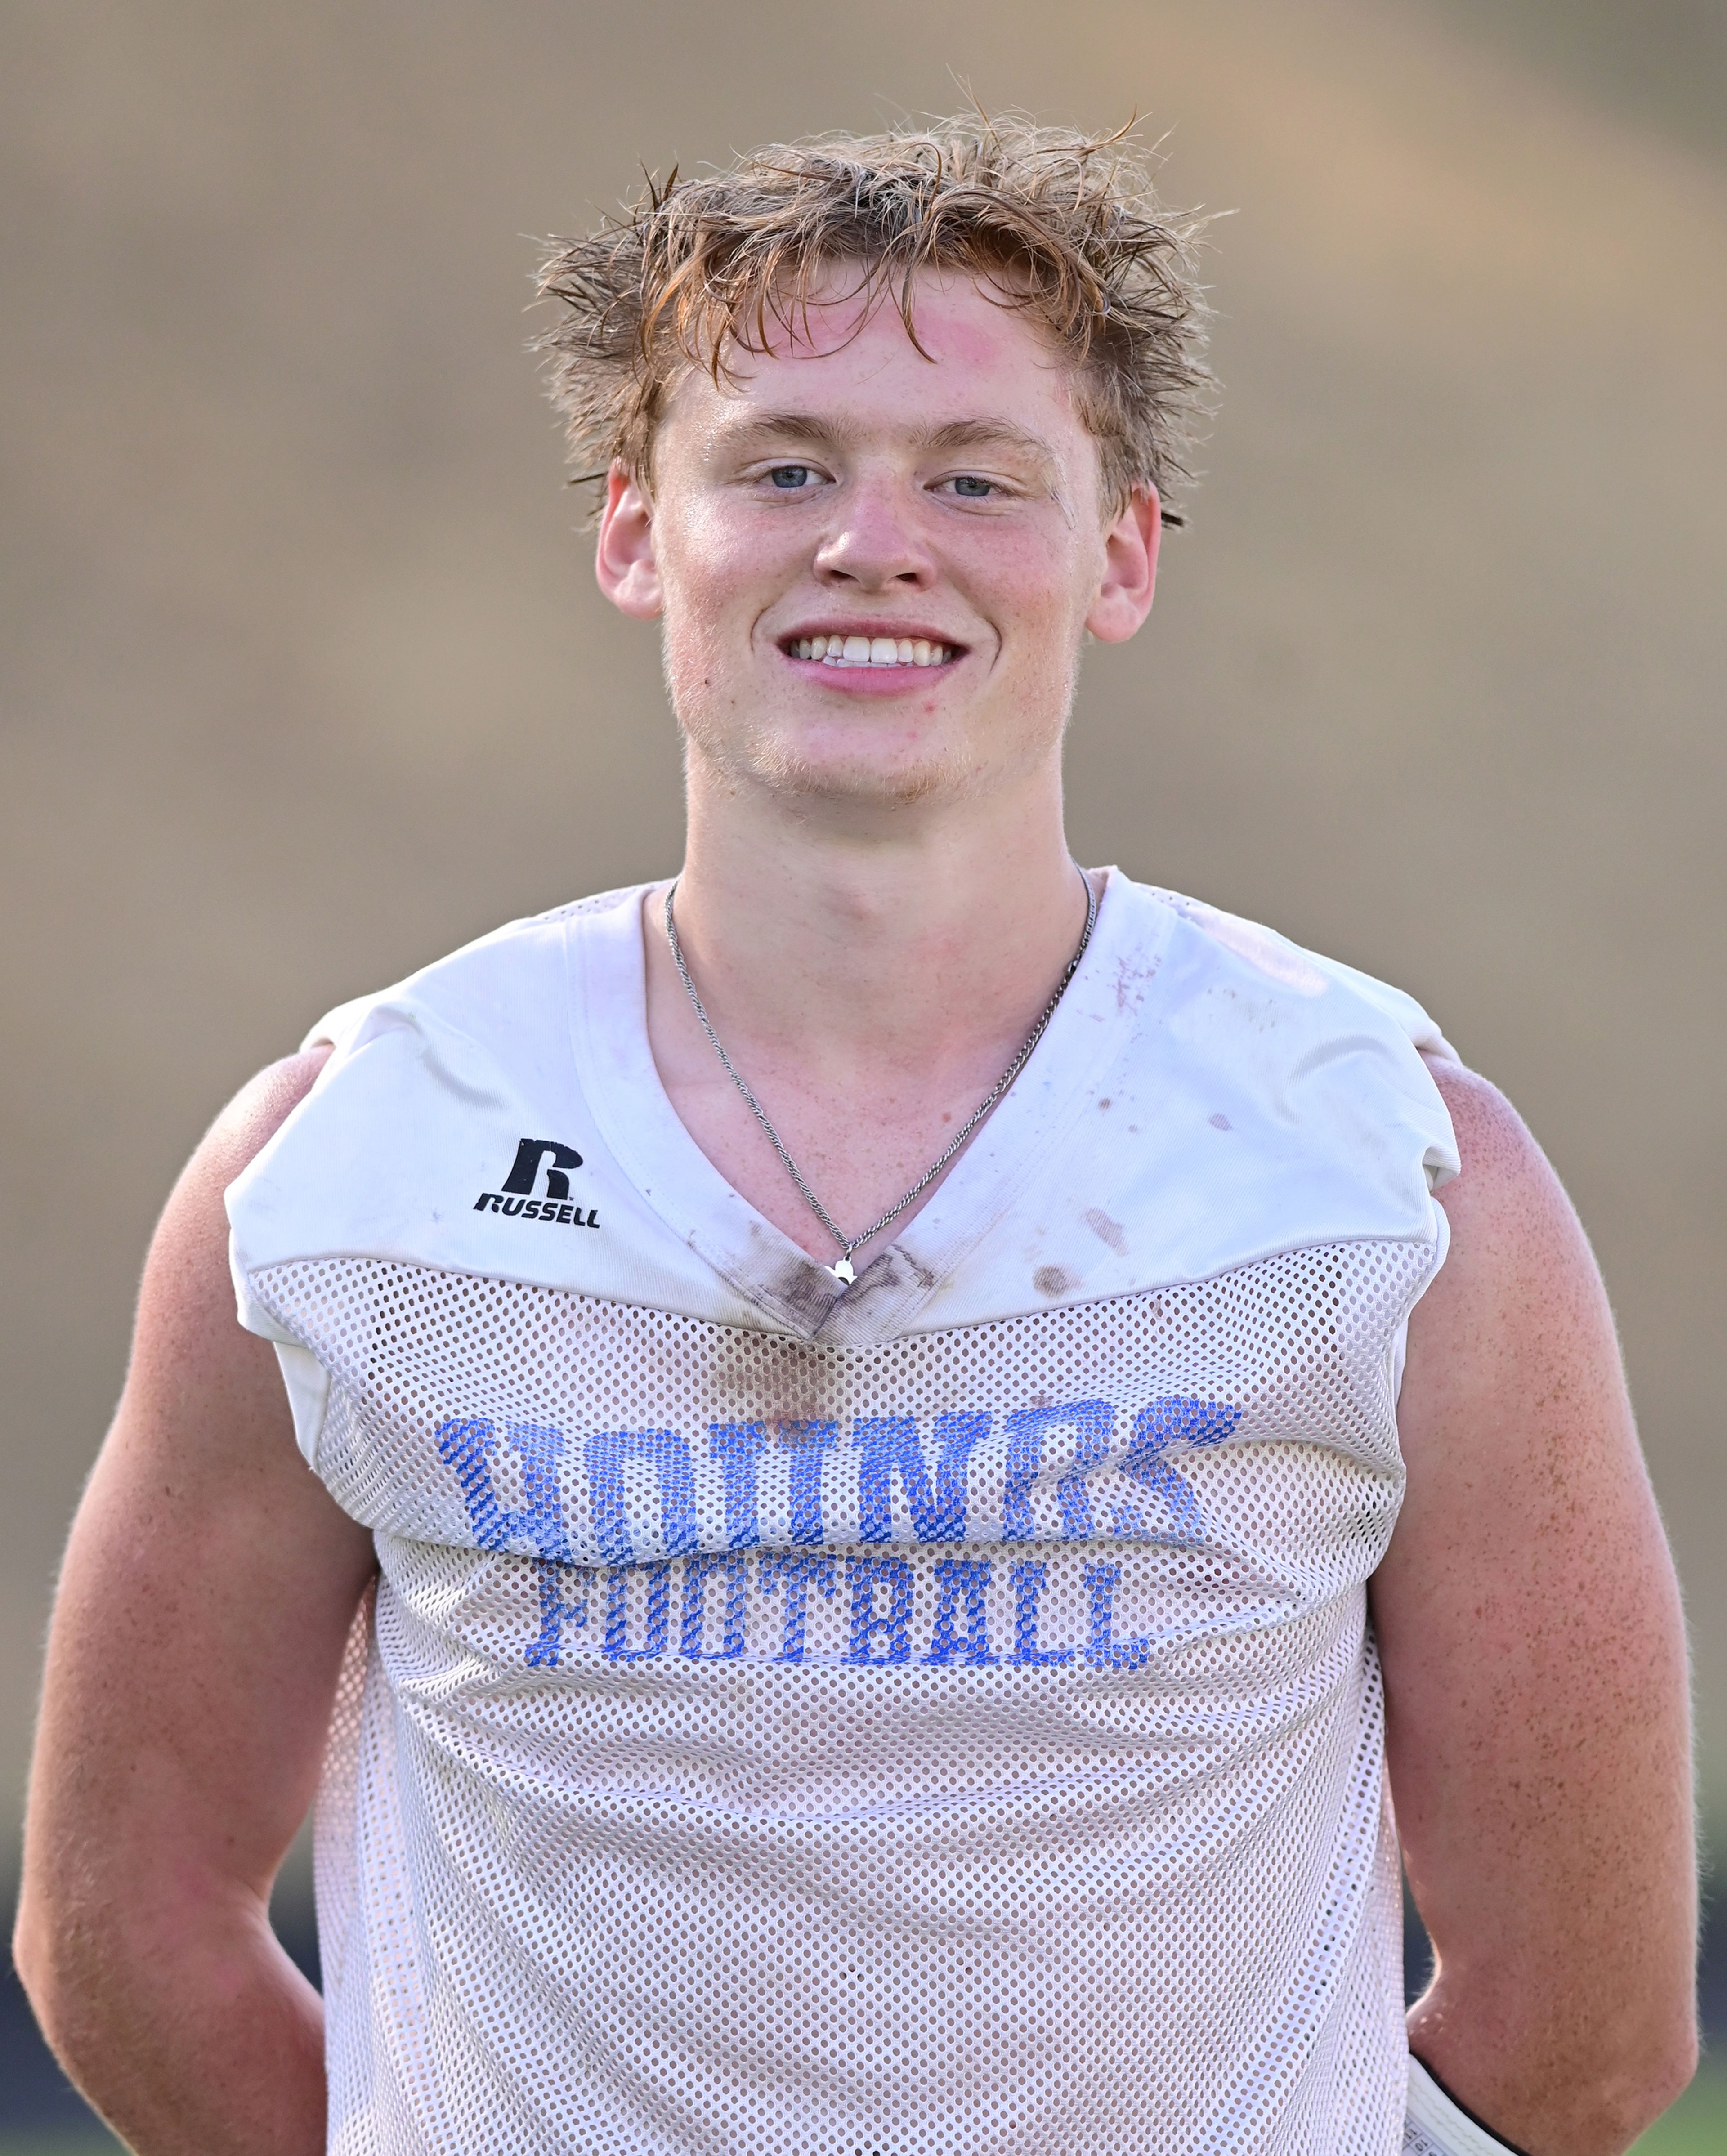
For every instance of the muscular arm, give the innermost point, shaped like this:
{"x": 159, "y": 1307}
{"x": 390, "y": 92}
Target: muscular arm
{"x": 205, "y": 1599}
{"x": 1537, "y": 1730}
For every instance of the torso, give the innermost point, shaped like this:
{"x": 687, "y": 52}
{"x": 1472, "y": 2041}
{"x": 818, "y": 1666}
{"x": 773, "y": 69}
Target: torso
{"x": 937, "y": 1715}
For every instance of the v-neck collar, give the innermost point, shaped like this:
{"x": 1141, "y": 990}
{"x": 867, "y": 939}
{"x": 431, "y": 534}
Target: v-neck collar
{"x": 621, "y": 1085}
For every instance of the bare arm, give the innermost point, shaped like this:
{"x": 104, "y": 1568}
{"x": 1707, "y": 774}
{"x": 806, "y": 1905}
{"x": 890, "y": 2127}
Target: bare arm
{"x": 205, "y": 1599}
{"x": 1534, "y": 1649}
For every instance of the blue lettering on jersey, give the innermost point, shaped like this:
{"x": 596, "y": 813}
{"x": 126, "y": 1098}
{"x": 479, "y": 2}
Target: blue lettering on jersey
{"x": 893, "y": 1625}
{"x": 669, "y": 1455}
{"x": 891, "y": 1442}
{"x": 793, "y": 1577}
{"x": 882, "y": 1590}
{"x": 1189, "y": 1422}
{"x": 634, "y": 1474}
{"x": 1064, "y": 1444}
{"x": 1103, "y": 1652}
{"x": 958, "y": 1579}
{"x": 468, "y": 1446}
{"x": 693, "y": 1632}
{"x": 1092, "y": 1423}
{"x": 739, "y": 1447}
{"x": 657, "y": 1572}
{"x": 1028, "y": 1582}
{"x": 957, "y": 1437}
{"x": 806, "y": 1442}
{"x": 887, "y": 1442}
{"x": 555, "y": 1613}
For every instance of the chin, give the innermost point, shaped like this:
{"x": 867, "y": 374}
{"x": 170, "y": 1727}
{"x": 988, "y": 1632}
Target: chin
{"x": 901, "y": 786}
{"x": 793, "y": 773}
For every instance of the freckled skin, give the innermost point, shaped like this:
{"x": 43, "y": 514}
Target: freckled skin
{"x": 204, "y": 1606}
{"x": 1529, "y": 1621}
{"x": 736, "y": 564}
{"x": 880, "y": 897}
{"x": 210, "y": 1579}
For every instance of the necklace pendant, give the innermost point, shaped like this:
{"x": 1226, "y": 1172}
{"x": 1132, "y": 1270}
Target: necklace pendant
{"x": 843, "y": 1270}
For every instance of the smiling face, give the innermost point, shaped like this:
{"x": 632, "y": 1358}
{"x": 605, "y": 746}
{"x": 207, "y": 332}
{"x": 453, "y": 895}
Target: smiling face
{"x": 875, "y": 568}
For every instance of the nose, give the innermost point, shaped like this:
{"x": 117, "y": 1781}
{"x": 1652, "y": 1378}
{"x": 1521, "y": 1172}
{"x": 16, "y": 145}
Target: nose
{"x": 873, "y": 544}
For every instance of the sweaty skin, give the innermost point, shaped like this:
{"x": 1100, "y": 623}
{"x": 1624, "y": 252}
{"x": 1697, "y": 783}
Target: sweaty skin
{"x": 204, "y": 1602}
{"x": 877, "y": 900}
{"x": 1537, "y": 1703}
{"x": 877, "y": 897}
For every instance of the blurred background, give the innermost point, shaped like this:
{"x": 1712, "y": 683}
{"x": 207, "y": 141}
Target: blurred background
{"x": 306, "y": 680}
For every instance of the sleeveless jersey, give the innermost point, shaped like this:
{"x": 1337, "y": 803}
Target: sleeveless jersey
{"x": 937, "y": 1715}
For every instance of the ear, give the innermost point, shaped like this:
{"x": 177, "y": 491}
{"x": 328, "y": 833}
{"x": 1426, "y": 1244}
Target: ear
{"x": 624, "y": 562}
{"x": 1130, "y": 546}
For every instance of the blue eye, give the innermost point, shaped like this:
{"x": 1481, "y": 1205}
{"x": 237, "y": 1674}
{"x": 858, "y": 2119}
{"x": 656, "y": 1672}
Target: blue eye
{"x": 789, "y": 477}
{"x": 973, "y": 488}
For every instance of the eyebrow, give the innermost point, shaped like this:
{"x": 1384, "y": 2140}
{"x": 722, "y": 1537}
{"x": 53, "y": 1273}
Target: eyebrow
{"x": 987, "y": 434}
{"x": 816, "y": 433}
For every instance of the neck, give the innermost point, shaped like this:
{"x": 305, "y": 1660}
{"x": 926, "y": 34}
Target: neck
{"x": 918, "y": 934}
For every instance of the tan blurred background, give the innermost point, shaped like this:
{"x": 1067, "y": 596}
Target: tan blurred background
{"x": 306, "y": 680}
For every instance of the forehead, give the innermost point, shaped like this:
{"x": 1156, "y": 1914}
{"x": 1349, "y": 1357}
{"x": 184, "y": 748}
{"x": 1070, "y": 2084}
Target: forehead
{"x": 847, "y": 356}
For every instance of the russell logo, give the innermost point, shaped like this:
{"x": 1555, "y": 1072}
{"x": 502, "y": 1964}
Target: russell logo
{"x": 517, "y": 1199}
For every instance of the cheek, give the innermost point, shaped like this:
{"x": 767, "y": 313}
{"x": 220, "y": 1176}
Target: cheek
{"x": 1043, "y": 593}
{"x": 706, "y": 576}
{"x": 716, "y": 570}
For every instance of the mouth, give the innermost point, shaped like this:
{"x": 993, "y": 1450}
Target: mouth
{"x": 882, "y": 652}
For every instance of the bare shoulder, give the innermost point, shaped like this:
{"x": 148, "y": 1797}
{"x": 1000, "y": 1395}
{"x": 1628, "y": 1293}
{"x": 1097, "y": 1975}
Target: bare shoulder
{"x": 252, "y": 1118}
{"x": 1530, "y": 1637}
{"x": 176, "y": 1751}
{"x": 1519, "y": 1274}
{"x": 1501, "y": 1161}
{"x": 1525, "y": 1476}
{"x": 1513, "y": 1396}
{"x": 185, "y": 1315}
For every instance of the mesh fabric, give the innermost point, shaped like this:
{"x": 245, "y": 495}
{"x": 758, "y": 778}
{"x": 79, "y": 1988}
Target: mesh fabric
{"x": 971, "y": 1742}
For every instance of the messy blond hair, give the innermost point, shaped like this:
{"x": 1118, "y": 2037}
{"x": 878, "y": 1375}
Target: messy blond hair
{"x": 1064, "y": 226}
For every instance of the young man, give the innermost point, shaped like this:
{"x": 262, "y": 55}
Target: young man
{"x": 868, "y": 1382}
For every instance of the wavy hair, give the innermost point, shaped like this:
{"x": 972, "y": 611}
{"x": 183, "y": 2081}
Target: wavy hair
{"x": 1065, "y": 227}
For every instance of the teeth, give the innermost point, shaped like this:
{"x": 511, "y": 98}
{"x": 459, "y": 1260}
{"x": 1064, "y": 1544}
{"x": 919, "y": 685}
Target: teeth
{"x": 871, "y": 650}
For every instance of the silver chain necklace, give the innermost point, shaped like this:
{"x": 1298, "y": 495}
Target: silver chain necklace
{"x": 843, "y": 1270}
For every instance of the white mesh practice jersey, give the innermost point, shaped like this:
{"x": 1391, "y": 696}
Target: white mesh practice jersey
{"x": 937, "y": 1715}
